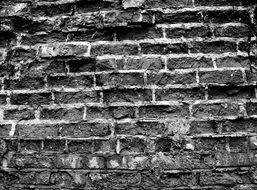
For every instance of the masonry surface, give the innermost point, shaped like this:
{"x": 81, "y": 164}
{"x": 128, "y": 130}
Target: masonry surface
{"x": 128, "y": 94}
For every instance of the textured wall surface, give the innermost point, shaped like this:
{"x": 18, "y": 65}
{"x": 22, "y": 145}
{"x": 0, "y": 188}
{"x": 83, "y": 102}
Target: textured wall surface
{"x": 132, "y": 94}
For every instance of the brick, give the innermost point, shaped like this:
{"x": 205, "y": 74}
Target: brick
{"x": 70, "y": 81}
{"x": 189, "y": 62}
{"x": 166, "y": 145}
{"x": 25, "y": 83}
{"x": 5, "y": 130}
{"x": 203, "y": 127}
{"x": 130, "y": 146}
{"x": 21, "y": 114}
{"x": 216, "y": 109}
{"x": 233, "y": 31}
{"x": 251, "y": 76}
{"x": 231, "y": 92}
{"x": 141, "y": 128}
{"x": 251, "y": 108}
{"x": 120, "y": 79}
{"x": 168, "y": 4}
{"x": 104, "y": 146}
{"x": 63, "y": 50}
{"x": 30, "y": 146}
{"x": 127, "y": 95}
{"x": 139, "y": 33}
{"x": 164, "y": 111}
{"x": 222, "y": 178}
{"x": 31, "y": 99}
{"x": 116, "y": 162}
{"x": 76, "y": 97}
{"x": 223, "y": 16}
{"x": 37, "y": 131}
{"x": 91, "y": 35}
{"x": 192, "y": 32}
{"x": 223, "y": 2}
{"x": 180, "y": 94}
{"x": 210, "y": 145}
{"x": 7, "y": 39}
{"x": 53, "y": 37}
{"x": 145, "y": 63}
{"x": 115, "y": 179}
{"x": 238, "y": 144}
{"x": 82, "y": 65}
{"x": 239, "y": 125}
{"x": 213, "y": 47}
{"x": 51, "y": 10}
{"x": 110, "y": 112}
{"x": 114, "y": 49}
{"x": 84, "y": 130}
{"x": 149, "y": 48}
{"x": 179, "y": 17}
{"x": 176, "y": 161}
{"x": 235, "y": 159}
{"x": 80, "y": 146}
{"x": 54, "y": 145}
{"x": 221, "y": 77}
{"x": 171, "y": 78}
{"x": 178, "y": 179}
{"x": 62, "y": 114}
{"x": 238, "y": 61}
{"x": 3, "y": 99}
{"x": 132, "y": 4}
{"x": 109, "y": 64}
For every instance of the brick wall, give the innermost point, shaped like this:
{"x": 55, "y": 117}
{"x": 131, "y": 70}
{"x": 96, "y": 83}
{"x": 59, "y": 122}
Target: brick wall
{"x": 139, "y": 94}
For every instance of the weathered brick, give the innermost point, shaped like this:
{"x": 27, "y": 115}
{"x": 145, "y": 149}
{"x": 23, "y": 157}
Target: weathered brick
{"x": 179, "y": 94}
{"x": 120, "y": 79}
{"x": 221, "y": 77}
{"x": 63, "y": 50}
{"x": 114, "y": 49}
{"x": 141, "y": 128}
{"x": 192, "y": 32}
{"x": 239, "y": 125}
{"x": 70, "y": 81}
{"x": 163, "y": 111}
{"x": 130, "y": 146}
{"x": 203, "y": 127}
{"x": 62, "y": 113}
{"x": 51, "y": 10}
{"x": 251, "y": 108}
{"x": 231, "y": 92}
{"x": 189, "y": 62}
{"x": 127, "y": 95}
{"x": 7, "y": 39}
{"x": 80, "y": 146}
{"x": 5, "y": 130}
{"x": 37, "y": 131}
{"x": 238, "y": 144}
{"x": 168, "y": 4}
{"x": 145, "y": 63}
{"x": 178, "y": 179}
{"x": 139, "y": 33}
{"x": 110, "y": 112}
{"x": 216, "y": 109}
{"x": 223, "y": 16}
{"x": 213, "y": 47}
{"x": 25, "y": 83}
{"x": 210, "y": 144}
{"x": 171, "y": 78}
{"x": 30, "y": 146}
{"x": 91, "y": 35}
{"x": 54, "y": 145}
{"x": 76, "y": 97}
{"x": 31, "y": 99}
{"x": 223, "y": 2}
{"x": 149, "y": 48}
{"x": 84, "y": 129}
{"x": 3, "y": 99}
{"x": 233, "y": 31}
{"x": 82, "y": 65}
{"x": 109, "y": 64}
{"x": 178, "y": 17}
{"x": 105, "y": 146}
{"x": 238, "y": 61}
{"x": 22, "y": 114}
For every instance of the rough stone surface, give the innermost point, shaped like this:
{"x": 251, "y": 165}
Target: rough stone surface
{"x": 128, "y": 94}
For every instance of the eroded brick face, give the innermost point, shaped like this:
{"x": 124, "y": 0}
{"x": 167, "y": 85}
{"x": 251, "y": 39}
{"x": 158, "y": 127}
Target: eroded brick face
{"x": 128, "y": 94}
